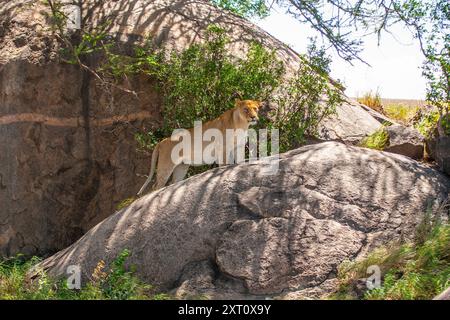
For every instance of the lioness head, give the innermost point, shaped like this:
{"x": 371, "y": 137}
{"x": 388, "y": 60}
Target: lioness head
{"x": 249, "y": 110}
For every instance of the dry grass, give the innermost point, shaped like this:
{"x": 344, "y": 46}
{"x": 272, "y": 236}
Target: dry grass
{"x": 404, "y": 102}
{"x": 372, "y": 100}
{"x": 401, "y": 110}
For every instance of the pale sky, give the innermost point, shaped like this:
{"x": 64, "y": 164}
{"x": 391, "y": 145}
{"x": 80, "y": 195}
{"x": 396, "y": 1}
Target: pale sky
{"x": 395, "y": 64}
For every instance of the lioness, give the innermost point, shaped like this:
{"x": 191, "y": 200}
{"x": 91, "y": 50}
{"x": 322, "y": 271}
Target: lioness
{"x": 240, "y": 117}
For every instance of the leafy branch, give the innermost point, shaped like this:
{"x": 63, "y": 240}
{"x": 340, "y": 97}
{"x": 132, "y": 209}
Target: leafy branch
{"x": 91, "y": 42}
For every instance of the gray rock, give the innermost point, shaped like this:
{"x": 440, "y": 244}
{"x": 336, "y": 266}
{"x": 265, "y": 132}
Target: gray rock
{"x": 235, "y": 232}
{"x": 320, "y": 291}
{"x": 430, "y": 147}
{"x": 406, "y": 141}
{"x": 351, "y": 123}
{"x": 267, "y": 253}
{"x": 201, "y": 279}
{"x": 378, "y": 115}
{"x": 437, "y": 146}
{"x": 443, "y": 153}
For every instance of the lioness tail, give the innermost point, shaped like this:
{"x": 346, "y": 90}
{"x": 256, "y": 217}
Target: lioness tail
{"x": 152, "y": 170}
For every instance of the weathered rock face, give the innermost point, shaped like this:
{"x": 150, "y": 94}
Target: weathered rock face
{"x": 406, "y": 141}
{"x": 67, "y": 152}
{"x": 234, "y": 232}
{"x": 443, "y": 153}
{"x": 438, "y": 147}
{"x": 66, "y": 159}
{"x": 67, "y": 155}
{"x": 350, "y": 124}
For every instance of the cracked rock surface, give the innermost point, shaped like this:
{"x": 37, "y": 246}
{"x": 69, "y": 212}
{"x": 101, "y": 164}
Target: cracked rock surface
{"x": 234, "y": 232}
{"x": 406, "y": 141}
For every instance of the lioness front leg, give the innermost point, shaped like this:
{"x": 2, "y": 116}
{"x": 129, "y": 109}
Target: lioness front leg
{"x": 227, "y": 158}
{"x": 230, "y": 157}
{"x": 162, "y": 176}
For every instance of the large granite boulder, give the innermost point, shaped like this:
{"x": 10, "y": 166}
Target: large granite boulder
{"x": 406, "y": 141}
{"x": 67, "y": 150}
{"x": 443, "y": 153}
{"x": 351, "y": 123}
{"x": 234, "y": 232}
{"x": 438, "y": 147}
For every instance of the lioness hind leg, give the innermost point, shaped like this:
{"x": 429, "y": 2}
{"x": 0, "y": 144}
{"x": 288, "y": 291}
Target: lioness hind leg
{"x": 162, "y": 176}
{"x": 179, "y": 172}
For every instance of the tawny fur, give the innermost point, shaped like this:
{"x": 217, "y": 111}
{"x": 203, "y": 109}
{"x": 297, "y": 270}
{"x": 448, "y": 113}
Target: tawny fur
{"x": 239, "y": 117}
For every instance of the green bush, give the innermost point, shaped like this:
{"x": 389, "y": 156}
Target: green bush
{"x": 304, "y": 101}
{"x": 201, "y": 82}
{"x": 245, "y": 8}
{"x": 423, "y": 274}
{"x": 428, "y": 122}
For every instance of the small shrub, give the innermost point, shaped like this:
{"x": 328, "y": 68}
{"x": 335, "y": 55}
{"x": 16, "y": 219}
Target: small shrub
{"x": 12, "y": 277}
{"x": 377, "y": 140}
{"x": 387, "y": 258}
{"x": 301, "y": 108}
{"x": 423, "y": 275}
{"x": 428, "y": 122}
{"x": 116, "y": 283}
{"x": 121, "y": 284}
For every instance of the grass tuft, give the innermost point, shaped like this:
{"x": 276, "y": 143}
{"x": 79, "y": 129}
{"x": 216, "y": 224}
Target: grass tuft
{"x": 377, "y": 140}
{"x": 419, "y": 269}
{"x": 125, "y": 203}
{"x": 372, "y": 100}
{"x": 115, "y": 283}
{"x": 422, "y": 271}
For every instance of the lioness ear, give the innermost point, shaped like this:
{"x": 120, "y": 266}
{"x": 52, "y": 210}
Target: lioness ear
{"x": 237, "y": 102}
